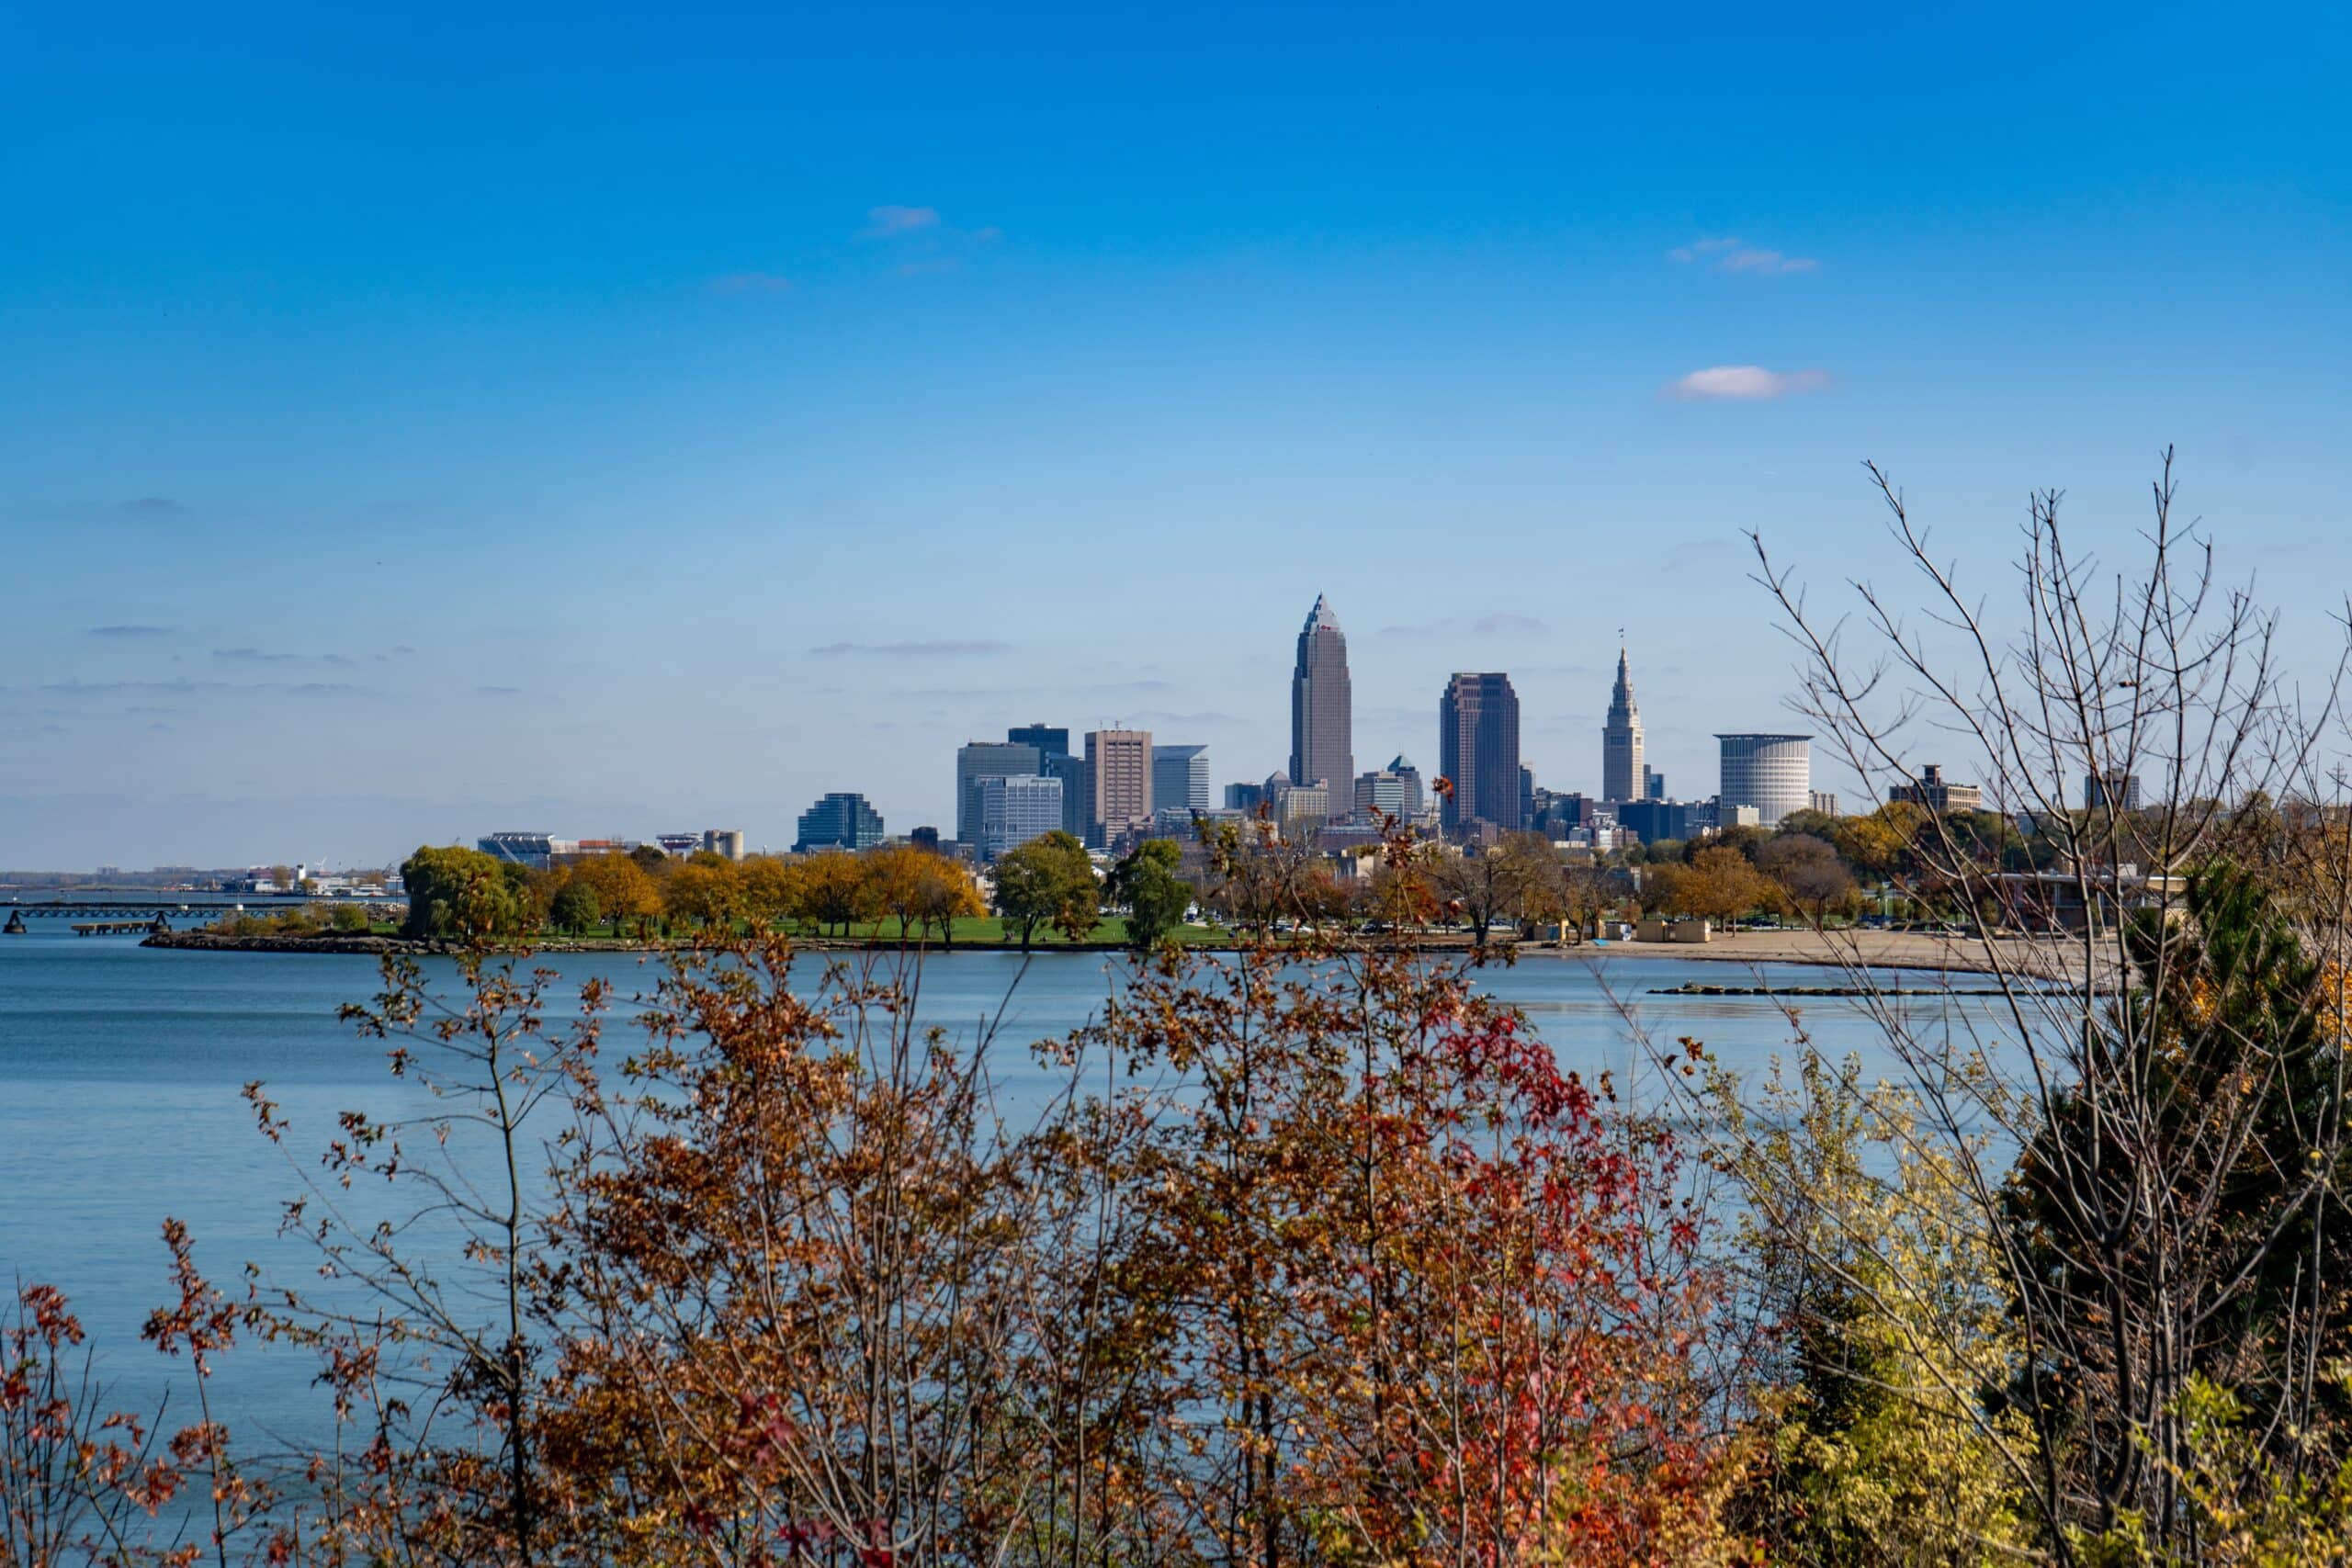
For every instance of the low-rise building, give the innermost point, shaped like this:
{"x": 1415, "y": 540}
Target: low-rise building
{"x": 1935, "y": 792}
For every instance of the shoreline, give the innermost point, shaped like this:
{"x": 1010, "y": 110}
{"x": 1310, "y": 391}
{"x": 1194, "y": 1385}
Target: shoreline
{"x": 1912, "y": 952}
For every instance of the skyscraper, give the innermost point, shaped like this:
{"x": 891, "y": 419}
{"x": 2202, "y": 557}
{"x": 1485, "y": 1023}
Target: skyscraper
{"x": 1118, "y": 778}
{"x": 842, "y": 821}
{"x": 1015, "y": 808}
{"x": 1477, "y": 743}
{"x": 977, "y": 760}
{"x": 1771, "y": 772}
{"x": 1322, "y": 711}
{"x": 1623, "y": 776}
{"x": 1051, "y": 739}
{"x": 1179, "y": 777}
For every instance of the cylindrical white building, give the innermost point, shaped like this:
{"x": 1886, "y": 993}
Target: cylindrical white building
{"x": 1770, "y": 773}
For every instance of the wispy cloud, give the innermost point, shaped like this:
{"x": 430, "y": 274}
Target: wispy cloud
{"x": 262, "y": 656}
{"x": 184, "y": 688}
{"x": 886, "y": 222}
{"x": 1161, "y": 715}
{"x": 906, "y": 649}
{"x": 1495, "y": 623}
{"x": 1517, "y": 625}
{"x": 751, "y": 283}
{"x": 131, "y": 630}
{"x": 1726, "y": 252}
{"x": 500, "y": 691}
{"x": 1746, "y": 383}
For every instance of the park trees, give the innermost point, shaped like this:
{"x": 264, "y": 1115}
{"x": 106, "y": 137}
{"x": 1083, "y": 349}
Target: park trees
{"x": 458, "y": 893}
{"x": 1714, "y": 883}
{"x": 833, "y": 891}
{"x": 771, "y": 890}
{"x": 1809, "y": 873}
{"x": 574, "y": 909}
{"x": 625, "y": 891}
{"x": 705, "y": 892}
{"x": 1145, "y": 881}
{"x": 1047, "y": 883}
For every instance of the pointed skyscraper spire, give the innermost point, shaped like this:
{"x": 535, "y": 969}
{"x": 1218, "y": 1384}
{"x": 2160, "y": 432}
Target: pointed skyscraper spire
{"x": 1623, "y": 775}
{"x": 1322, "y": 711}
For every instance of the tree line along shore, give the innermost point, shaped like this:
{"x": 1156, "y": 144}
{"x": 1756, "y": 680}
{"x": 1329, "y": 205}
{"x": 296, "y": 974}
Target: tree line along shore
{"x": 1859, "y": 876}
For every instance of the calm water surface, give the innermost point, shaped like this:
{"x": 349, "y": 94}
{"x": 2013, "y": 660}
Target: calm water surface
{"x": 120, "y": 1069}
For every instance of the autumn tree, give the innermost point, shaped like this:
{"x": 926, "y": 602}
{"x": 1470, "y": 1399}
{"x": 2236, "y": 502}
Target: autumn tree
{"x": 1809, "y": 873}
{"x": 834, "y": 891}
{"x": 704, "y": 892}
{"x": 771, "y": 890}
{"x": 944, "y": 892}
{"x": 625, "y": 891}
{"x": 1721, "y": 885}
{"x": 1047, "y": 882}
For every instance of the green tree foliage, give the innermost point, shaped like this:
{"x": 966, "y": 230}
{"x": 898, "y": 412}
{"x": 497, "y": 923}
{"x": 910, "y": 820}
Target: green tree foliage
{"x": 460, "y": 892}
{"x": 575, "y": 908}
{"x": 1156, "y": 897}
{"x": 1886, "y": 1441}
{"x": 2176, "y": 1214}
{"x": 1047, "y": 882}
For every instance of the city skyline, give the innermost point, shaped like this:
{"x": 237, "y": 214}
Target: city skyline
{"x": 409, "y": 432}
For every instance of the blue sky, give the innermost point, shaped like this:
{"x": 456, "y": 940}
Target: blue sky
{"x": 622, "y": 419}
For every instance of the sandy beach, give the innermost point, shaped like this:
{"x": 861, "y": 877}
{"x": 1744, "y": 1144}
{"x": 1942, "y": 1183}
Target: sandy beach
{"x": 1875, "y": 949}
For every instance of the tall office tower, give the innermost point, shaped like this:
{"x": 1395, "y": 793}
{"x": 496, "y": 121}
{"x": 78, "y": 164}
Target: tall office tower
{"x": 1322, "y": 711}
{"x": 842, "y": 821}
{"x": 1771, "y": 772}
{"x": 977, "y": 760}
{"x": 1076, "y": 797}
{"x": 1051, "y": 739}
{"x": 1623, "y": 777}
{"x": 1395, "y": 791}
{"x": 1118, "y": 780}
{"x": 1403, "y": 768}
{"x": 1477, "y": 744}
{"x": 2111, "y": 788}
{"x": 1015, "y": 808}
{"x": 1179, "y": 777}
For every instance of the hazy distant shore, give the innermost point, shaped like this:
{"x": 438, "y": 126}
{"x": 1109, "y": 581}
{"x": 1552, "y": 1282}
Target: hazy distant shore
{"x": 1911, "y": 951}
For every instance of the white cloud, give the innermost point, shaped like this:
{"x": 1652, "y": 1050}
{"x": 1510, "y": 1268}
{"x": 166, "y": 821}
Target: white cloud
{"x": 882, "y": 222}
{"x": 1728, "y": 253}
{"x": 1746, "y": 383}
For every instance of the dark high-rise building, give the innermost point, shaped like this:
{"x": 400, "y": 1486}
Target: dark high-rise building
{"x": 1623, "y": 776}
{"x": 1477, "y": 742}
{"x": 2113, "y": 788}
{"x": 842, "y": 821}
{"x": 1322, "y": 711}
{"x": 1051, "y": 739}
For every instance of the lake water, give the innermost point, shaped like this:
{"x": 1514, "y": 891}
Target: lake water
{"x": 120, "y": 1069}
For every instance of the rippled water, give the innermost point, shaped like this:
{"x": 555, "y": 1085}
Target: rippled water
{"x": 120, "y": 1069}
